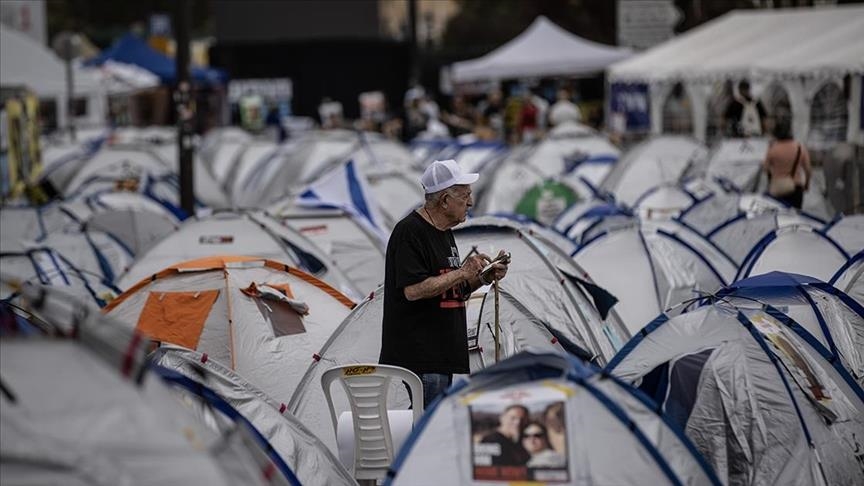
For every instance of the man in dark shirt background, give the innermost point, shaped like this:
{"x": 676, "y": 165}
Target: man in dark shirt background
{"x": 426, "y": 284}
{"x": 745, "y": 116}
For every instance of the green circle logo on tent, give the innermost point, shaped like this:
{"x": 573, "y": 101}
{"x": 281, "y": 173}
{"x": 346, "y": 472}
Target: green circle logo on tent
{"x": 545, "y": 201}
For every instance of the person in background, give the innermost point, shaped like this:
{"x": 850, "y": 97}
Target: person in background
{"x": 426, "y": 283}
{"x": 508, "y": 435}
{"x": 564, "y": 110}
{"x": 787, "y": 164}
{"x": 536, "y": 441}
{"x": 745, "y": 116}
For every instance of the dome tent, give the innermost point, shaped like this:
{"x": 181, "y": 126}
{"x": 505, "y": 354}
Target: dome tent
{"x": 828, "y": 314}
{"x": 762, "y": 400}
{"x": 654, "y": 162}
{"x": 741, "y": 231}
{"x": 545, "y": 281}
{"x": 650, "y": 269}
{"x": 848, "y": 232}
{"x": 261, "y": 318}
{"x": 598, "y": 412}
{"x": 304, "y": 453}
{"x": 119, "y": 423}
{"x": 253, "y": 233}
{"x": 794, "y": 249}
{"x": 48, "y": 267}
{"x": 352, "y": 247}
{"x": 850, "y": 277}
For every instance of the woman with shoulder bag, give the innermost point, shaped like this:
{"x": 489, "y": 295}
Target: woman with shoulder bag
{"x": 784, "y": 162}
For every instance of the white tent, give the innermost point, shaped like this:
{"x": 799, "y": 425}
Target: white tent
{"x": 543, "y": 280}
{"x": 848, "y": 232}
{"x": 303, "y": 452}
{"x": 652, "y": 269}
{"x": 582, "y": 414}
{"x": 26, "y": 63}
{"x": 358, "y": 252}
{"x": 794, "y": 249}
{"x": 84, "y": 410}
{"x": 261, "y": 318}
{"x": 543, "y": 49}
{"x": 253, "y": 233}
{"x": 660, "y": 160}
{"x": 763, "y": 401}
{"x": 850, "y": 277}
{"x": 830, "y": 315}
{"x": 800, "y": 49}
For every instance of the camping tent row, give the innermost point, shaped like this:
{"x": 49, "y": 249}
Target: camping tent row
{"x": 137, "y": 432}
{"x": 541, "y": 179}
{"x": 546, "y": 302}
{"x": 765, "y": 46}
{"x": 764, "y": 401}
{"x": 256, "y": 172}
{"x": 140, "y": 164}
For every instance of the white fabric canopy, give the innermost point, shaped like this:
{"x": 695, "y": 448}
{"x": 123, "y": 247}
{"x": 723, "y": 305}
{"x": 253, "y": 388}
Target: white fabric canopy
{"x": 24, "y": 62}
{"x": 824, "y": 41}
{"x": 544, "y": 49}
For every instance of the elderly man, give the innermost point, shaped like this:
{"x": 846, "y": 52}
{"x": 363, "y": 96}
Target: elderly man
{"x": 426, "y": 283}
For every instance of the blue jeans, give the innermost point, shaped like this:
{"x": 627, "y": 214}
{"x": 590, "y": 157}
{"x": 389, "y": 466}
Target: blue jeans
{"x": 434, "y": 384}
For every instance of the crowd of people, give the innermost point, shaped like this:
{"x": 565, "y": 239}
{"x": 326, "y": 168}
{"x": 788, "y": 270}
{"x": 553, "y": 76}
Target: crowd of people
{"x": 523, "y": 116}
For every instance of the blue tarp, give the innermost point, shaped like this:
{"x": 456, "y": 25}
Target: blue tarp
{"x": 131, "y": 49}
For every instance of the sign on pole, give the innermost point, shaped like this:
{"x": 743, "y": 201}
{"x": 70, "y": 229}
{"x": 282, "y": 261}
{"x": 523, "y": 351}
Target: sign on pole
{"x": 645, "y": 23}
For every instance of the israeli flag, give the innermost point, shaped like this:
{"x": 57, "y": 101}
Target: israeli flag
{"x": 345, "y": 188}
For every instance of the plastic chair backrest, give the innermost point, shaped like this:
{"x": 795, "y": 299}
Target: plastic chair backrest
{"x": 366, "y": 387}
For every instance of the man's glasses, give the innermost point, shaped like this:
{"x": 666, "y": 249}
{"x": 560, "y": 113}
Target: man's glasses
{"x": 538, "y": 435}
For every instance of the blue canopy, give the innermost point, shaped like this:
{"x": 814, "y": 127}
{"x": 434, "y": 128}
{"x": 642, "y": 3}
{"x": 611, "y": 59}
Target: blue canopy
{"x": 131, "y": 49}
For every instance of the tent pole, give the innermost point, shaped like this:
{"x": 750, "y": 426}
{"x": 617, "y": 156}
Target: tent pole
{"x": 497, "y": 323}
{"x": 184, "y": 104}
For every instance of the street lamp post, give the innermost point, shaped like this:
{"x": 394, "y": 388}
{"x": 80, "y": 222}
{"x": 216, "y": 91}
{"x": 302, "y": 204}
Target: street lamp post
{"x": 67, "y": 45}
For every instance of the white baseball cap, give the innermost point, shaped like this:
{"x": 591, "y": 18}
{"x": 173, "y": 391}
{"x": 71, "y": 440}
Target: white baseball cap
{"x": 442, "y": 174}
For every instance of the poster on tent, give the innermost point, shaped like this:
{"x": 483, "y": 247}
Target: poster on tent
{"x": 519, "y": 434}
{"x": 630, "y": 103}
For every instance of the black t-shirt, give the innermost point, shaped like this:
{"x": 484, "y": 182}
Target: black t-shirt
{"x": 426, "y": 335}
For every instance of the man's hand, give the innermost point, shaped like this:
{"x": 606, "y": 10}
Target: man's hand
{"x": 473, "y": 265}
{"x": 499, "y": 269}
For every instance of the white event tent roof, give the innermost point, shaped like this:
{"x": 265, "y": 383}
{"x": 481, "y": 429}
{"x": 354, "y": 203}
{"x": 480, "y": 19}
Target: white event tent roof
{"x": 789, "y": 42}
{"x": 543, "y": 49}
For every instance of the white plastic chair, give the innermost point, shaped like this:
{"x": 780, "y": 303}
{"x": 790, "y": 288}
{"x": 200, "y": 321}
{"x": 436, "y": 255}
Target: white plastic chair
{"x": 366, "y": 387}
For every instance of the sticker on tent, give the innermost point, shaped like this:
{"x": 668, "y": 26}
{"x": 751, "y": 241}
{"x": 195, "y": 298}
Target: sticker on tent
{"x": 318, "y": 229}
{"x": 215, "y": 239}
{"x": 519, "y": 434}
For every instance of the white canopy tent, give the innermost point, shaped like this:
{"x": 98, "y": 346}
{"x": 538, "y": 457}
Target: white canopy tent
{"x": 802, "y": 50}
{"x": 26, "y": 63}
{"x": 543, "y": 49}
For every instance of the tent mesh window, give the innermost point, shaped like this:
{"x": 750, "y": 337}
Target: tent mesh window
{"x": 284, "y": 320}
{"x": 678, "y": 112}
{"x": 829, "y": 115}
{"x": 776, "y": 101}
{"x": 721, "y": 96}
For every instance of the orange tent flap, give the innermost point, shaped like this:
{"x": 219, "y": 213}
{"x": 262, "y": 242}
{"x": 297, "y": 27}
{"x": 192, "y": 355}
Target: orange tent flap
{"x": 176, "y": 317}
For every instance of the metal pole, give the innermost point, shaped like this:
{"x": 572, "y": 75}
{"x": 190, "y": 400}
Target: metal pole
{"x": 70, "y": 88}
{"x": 185, "y": 107}
{"x": 412, "y": 40}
